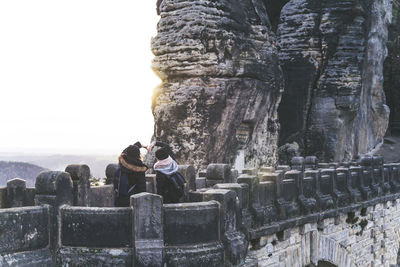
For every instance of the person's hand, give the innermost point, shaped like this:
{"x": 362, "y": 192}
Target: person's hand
{"x": 150, "y": 147}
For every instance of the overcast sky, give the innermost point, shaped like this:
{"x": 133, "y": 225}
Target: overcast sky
{"x": 75, "y": 75}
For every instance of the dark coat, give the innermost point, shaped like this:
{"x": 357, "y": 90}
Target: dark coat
{"x": 137, "y": 179}
{"x": 165, "y": 188}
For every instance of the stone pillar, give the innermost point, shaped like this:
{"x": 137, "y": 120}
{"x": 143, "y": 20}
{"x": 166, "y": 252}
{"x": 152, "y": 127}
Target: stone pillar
{"x": 189, "y": 173}
{"x": 235, "y": 242}
{"x": 16, "y": 193}
{"x": 55, "y": 189}
{"x": 311, "y": 162}
{"x": 147, "y": 223}
{"x": 254, "y": 201}
{"x": 80, "y": 175}
{"x": 3, "y": 197}
{"x": 110, "y": 170}
{"x": 219, "y": 173}
{"x": 297, "y": 163}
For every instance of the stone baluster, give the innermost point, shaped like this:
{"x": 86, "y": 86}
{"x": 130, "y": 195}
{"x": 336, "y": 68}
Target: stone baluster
{"x": 255, "y": 207}
{"x": 310, "y": 181}
{"x": 235, "y": 242}
{"x": 16, "y": 193}
{"x": 324, "y": 192}
{"x": 110, "y": 170}
{"x": 297, "y": 163}
{"x": 189, "y": 173}
{"x": 287, "y": 196}
{"x": 340, "y": 194}
{"x": 80, "y": 175}
{"x": 390, "y": 170}
{"x": 311, "y": 162}
{"x": 147, "y": 229}
{"x": 352, "y": 183}
{"x": 55, "y": 189}
{"x": 218, "y": 173}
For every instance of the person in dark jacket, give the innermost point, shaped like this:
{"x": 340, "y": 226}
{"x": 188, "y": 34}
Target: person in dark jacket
{"x": 164, "y": 167}
{"x": 131, "y": 164}
{"x": 163, "y": 145}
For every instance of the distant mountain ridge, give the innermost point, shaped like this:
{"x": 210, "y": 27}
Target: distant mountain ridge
{"x": 12, "y": 169}
{"x": 58, "y": 162}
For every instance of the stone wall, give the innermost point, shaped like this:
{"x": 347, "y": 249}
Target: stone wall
{"x": 16, "y": 194}
{"x": 363, "y": 237}
{"x": 24, "y": 237}
{"x": 305, "y": 214}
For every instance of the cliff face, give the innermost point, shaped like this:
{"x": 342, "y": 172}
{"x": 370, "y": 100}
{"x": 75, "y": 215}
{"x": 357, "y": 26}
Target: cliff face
{"x": 392, "y": 70}
{"x": 221, "y": 80}
{"x": 332, "y": 54}
{"x": 224, "y": 65}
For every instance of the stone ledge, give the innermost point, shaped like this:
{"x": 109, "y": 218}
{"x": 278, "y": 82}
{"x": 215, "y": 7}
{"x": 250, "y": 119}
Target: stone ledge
{"x": 314, "y": 218}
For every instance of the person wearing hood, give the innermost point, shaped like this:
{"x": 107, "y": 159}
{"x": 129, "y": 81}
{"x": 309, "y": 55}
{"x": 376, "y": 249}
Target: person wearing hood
{"x": 130, "y": 163}
{"x": 162, "y": 145}
{"x": 165, "y": 167}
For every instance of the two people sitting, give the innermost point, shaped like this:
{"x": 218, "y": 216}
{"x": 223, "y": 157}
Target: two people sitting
{"x": 167, "y": 177}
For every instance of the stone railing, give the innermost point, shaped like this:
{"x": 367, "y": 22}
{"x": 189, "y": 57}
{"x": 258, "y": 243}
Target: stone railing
{"x": 215, "y": 227}
{"x": 274, "y": 199}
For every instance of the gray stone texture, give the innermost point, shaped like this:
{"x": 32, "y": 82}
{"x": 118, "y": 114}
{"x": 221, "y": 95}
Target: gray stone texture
{"x": 16, "y": 193}
{"x": 189, "y": 173}
{"x": 147, "y": 229}
{"x": 235, "y": 242}
{"x": 24, "y": 229}
{"x": 37, "y": 258}
{"x": 225, "y": 64}
{"x": 96, "y": 227}
{"x": 392, "y": 71}
{"x": 221, "y": 81}
{"x": 101, "y": 196}
{"x": 332, "y": 55}
{"x": 80, "y": 175}
{"x": 81, "y": 256}
{"x": 110, "y": 170}
{"x": 3, "y": 197}
{"x": 55, "y": 189}
{"x": 189, "y": 240}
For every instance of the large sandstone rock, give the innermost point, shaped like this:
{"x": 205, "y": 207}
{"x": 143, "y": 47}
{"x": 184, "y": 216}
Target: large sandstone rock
{"x": 332, "y": 55}
{"x": 225, "y": 63}
{"x": 221, "y": 81}
{"x": 392, "y": 70}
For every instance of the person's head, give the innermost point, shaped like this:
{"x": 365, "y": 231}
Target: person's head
{"x": 138, "y": 144}
{"x": 133, "y": 152}
{"x": 162, "y": 153}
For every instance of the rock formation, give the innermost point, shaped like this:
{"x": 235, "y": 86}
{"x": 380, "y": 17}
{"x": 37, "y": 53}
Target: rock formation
{"x": 224, "y": 65}
{"x": 332, "y": 55}
{"x": 221, "y": 81}
{"x": 392, "y": 70}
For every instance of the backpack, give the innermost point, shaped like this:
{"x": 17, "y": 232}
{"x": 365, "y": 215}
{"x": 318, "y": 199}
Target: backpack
{"x": 121, "y": 185}
{"x": 178, "y": 181}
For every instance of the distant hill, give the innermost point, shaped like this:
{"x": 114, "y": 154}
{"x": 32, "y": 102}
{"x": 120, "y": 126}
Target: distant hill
{"x": 26, "y": 171}
{"x": 58, "y": 162}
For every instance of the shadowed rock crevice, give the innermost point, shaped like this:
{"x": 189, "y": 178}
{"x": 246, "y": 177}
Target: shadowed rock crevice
{"x": 331, "y": 54}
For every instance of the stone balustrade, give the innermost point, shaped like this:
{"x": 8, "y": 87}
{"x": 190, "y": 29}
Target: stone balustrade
{"x": 228, "y": 222}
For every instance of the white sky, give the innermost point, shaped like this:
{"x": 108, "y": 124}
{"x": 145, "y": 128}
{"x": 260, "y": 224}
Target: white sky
{"x": 75, "y": 75}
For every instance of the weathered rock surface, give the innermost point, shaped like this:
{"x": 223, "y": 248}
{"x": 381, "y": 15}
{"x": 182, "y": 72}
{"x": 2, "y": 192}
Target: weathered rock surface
{"x": 332, "y": 55}
{"x": 392, "y": 71}
{"x": 221, "y": 81}
{"x": 224, "y": 65}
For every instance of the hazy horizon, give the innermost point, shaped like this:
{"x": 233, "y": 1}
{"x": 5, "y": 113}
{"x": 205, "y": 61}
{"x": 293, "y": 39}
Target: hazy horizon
{"x": 75, "y": 76}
